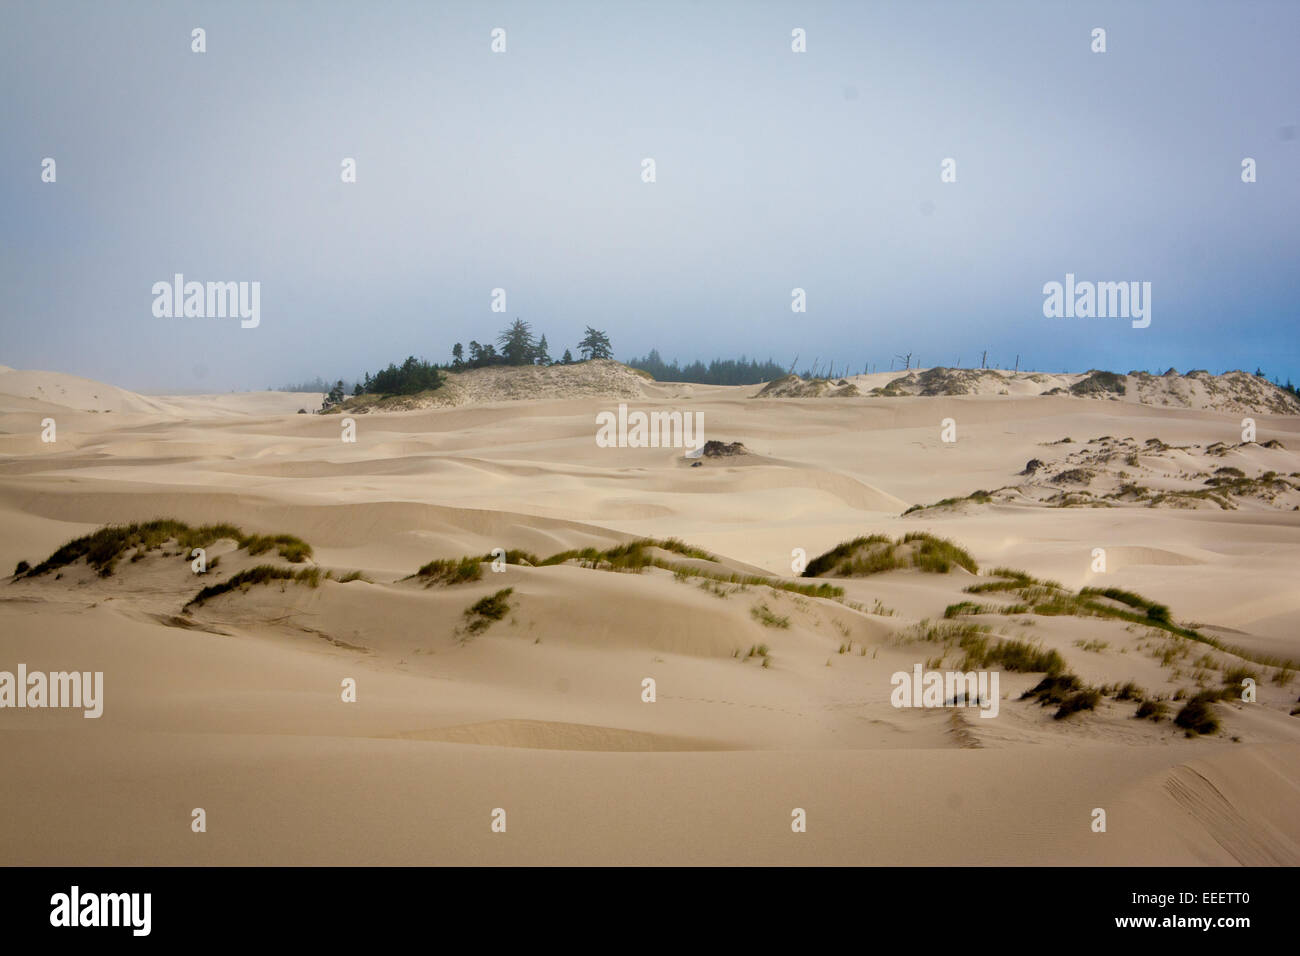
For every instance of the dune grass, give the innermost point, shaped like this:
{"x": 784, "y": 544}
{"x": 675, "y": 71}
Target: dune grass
{"x": 1051, "y": 598}
{"x": 1197, "y": 715}
{"x": 484, "y": 612}
{"x": 451, "y": 571}
{"x": 876, "y": 553}
{"x": 765, "y": 616}
{"x": 293, "y": 549}
{"x": 103, "y": 548}
{"x": 259, "y": 574}
{"x": 635, "y": 556}
{"x": 980, "y": 648}
{"x": 630, "y": 556}
{"x": 980, "y": 497}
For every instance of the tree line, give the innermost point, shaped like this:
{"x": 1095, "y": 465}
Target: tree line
{"x": 516, "y": 345}
{"x": 718, "y": 372}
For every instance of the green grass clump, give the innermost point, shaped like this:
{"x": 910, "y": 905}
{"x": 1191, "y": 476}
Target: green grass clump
{"x": 980, "y": 649}
{"x": 939, "y": 555}
{"x": 1012, "y": 656}
{"x": 1197, "y": 715}
{"x": 513, "y": 556}
{"x": 635, "y": 557}
{"x": 291, "y": 548}
{"x": 1129, "y": 691}
{"x": 1150, "y": 609}
{"x": 1086, "y": 699}
{"x": 259, "y": 574}
{"x": 1152, "y": 709}
{"x": 103, "y": 548}
{"x": 824, "y": 563}
{"x": 764, "y": 614}
{"x": 629, "y": 556}
{"x": 1053, "y": 689}
{"x": 1233, "y": 677}
{"x": 1051, "y": 598}
{"x": 450, "y": 571}
{"x": 876, "y": 553}
{"x": 483, "y": 612}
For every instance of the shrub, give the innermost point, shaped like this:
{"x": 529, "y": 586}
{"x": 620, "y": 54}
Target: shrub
{"x": 1234, "y": 676}
{"x": 1153, "y": 709}
{"x": 1197, "y": 715}
{"x": 1129, "y": 691}
{"x": 1053, "y": 689}
{"x": 1086, "y": 699}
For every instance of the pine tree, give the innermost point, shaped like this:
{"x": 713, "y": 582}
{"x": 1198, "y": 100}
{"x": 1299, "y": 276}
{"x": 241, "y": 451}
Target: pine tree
{"x": 540, "y": 354}
{"x": 595, "y": 345}
{"x": 517, "y": 343}
{"x": 457, "y": 356}
{"x": 567, "y": 359}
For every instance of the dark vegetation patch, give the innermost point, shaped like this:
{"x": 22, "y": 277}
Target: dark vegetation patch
{"x": 103, "y": 548}
{"x": 718, "y": 449}
{"x": 451, "y": 571}
{"x": 631, "y": 557}
{"x": 979, "y": 648}
{"x": 1197, "y": 715}
{"x": 259, "y": 574}
{"x": 484, "y": 612}
{"x": 876, "y": 553}
{"x": 1154, "y": 710}
{"x": 1098, "y": 384}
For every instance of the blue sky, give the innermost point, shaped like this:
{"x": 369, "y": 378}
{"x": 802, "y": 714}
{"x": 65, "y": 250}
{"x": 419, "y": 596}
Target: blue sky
{"x": 522, "y": 171}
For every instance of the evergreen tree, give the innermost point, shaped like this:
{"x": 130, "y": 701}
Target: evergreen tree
{"x": 567, "y": 359}
{"x": 457, "y": 356}
{"x": 540, "y": 354}
{"x": 415, "y": 375}
{"x": 595, "y": 345}
{"x": 518, "y": 346}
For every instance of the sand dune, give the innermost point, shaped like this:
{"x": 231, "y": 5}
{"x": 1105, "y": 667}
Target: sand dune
{"x": 765, "y": 699}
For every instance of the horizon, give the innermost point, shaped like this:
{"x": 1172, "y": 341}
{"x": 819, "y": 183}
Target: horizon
{"x": 522, "y": 171}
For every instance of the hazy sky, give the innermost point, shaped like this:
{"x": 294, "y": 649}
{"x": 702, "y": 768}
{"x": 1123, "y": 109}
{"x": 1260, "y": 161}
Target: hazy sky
{"x": 523, "y": 170}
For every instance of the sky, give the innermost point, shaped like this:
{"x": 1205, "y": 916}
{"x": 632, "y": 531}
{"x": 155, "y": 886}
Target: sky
{"x": 522, "y": 170}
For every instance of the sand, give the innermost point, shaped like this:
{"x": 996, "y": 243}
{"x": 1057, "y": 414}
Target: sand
{"x": 236, "y": 706}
